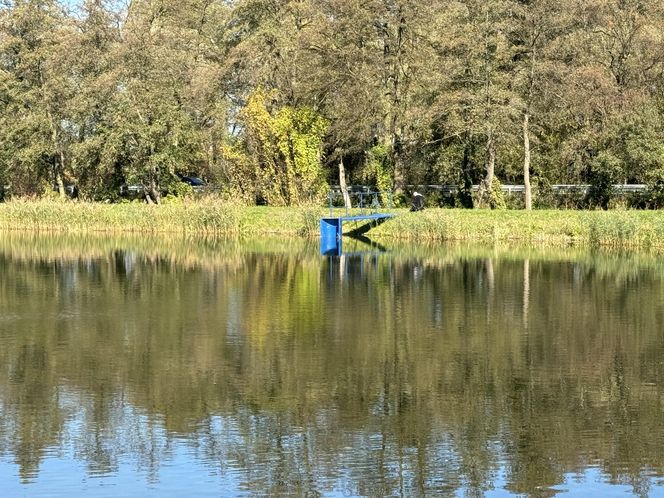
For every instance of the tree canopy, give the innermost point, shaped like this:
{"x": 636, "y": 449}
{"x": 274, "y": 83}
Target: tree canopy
{"x": 266, "y": 98}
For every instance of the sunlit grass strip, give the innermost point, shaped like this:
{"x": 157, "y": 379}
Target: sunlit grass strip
{"x": 206, "y": 217}
{"x": 620, "y": 229}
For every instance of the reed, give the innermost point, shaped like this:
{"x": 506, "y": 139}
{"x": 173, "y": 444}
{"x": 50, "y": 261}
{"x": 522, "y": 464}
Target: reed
{"x": 618, "y": 228}
{"x": 202, "y": 217}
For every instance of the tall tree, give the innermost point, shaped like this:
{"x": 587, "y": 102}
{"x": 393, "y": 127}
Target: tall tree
{"x": 154, "y": 121}
{"x": 95, "y": 161}
{"x": 373, "y": 58}
{"x": 475, "y": 99}
{"x": 35, "y": 37}
{"x": 534, "y": 33}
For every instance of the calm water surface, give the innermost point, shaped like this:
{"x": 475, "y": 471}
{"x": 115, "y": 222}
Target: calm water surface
{"x": 142, "y": 367}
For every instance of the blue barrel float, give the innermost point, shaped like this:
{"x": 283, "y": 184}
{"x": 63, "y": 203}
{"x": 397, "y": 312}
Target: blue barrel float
{"x": 330, "y": 236}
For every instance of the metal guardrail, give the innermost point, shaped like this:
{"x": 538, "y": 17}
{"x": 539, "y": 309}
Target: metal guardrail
{"x": 139, "y": 189}
{"x": 367, "y": 201}
{"x": 561, "y": 188}
{"x": 508, "y": 189}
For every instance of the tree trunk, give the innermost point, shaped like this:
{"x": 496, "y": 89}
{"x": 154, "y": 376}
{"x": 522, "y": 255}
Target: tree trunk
{"x": 342, "y": 183}
{"x": 490, "y": 159}
{"x": 466, "y": 193}
{"x": 393, "y": 52}
{"x": 152, "y": 193}
{"x": 211, "y": 156}
{"x": 399, "y": 180}
{"x": 58, "y": 161}
{"x": 526, "y": 161}
{"x": 152, "y": 188}
{"x": 59, "y": 181}
{"x": 485, "y": 187}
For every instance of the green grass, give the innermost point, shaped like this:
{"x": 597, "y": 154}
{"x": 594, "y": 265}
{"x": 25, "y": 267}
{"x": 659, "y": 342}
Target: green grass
{"x": 206, "y": 217}
{"x": 618, "y": 229}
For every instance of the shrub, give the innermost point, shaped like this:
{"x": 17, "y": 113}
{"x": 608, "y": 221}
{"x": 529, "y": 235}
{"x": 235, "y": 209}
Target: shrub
{"x": 493, "y": 198}
{"x": 605, "y": 170}
{"x": 654, "y": 197}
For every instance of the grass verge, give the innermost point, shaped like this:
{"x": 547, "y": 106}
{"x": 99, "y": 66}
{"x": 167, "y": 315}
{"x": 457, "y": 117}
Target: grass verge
{"x": 618, "y": 229}
{"x": 206, "y": 217}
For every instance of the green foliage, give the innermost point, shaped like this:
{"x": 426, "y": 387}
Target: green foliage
{"x": 497, "y": 197}
{"x": 493, "y": 198}
{"x": 655, "y": 195}
{"x": 33, "y": 85}
{"x": 299, "y": 133}
{"x": 236, "y": 173}
{"x": 281, "y": 152}
{"x": 310, "y": 222}
{"x": 60, "y": 215}
{"x": 605, "y": 171}
{"x": 619, "y": 229}
{"x": 107, "y": 97}
{"x": 377, "y": 168}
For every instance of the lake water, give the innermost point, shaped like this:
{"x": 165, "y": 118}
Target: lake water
{"x": 169, "y": 367}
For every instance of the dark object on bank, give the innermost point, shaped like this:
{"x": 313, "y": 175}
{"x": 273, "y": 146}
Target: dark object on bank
{"x": 138, "y": 191}
{"x": 418, "y": 202}
{"x": 71, "y": 190}
{"x": 193, "y": 181}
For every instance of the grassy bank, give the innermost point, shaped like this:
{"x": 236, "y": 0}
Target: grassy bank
{"x": 213, "y": 218}
{"x": 620, "y": 229}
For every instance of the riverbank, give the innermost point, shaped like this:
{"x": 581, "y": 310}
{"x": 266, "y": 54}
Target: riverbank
{"x": 620, "y": 229}
{"x": 203, "y": 217}
{"x": 617, "y": 229}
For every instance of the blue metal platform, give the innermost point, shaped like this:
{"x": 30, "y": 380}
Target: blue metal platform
{"x": 369, "y": 206}
{"x": 331, "y": 230}
{"x": 361, "y": 217}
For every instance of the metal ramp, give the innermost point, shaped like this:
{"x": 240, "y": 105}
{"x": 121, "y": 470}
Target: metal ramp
{"x": 369, "y": 208}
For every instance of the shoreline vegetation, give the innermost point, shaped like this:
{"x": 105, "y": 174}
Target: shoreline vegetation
{"x": 622, "y": 229}
{"x": 202, "y": 252}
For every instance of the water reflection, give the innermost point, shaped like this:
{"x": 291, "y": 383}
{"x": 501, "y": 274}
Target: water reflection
{"x": 431, "y": 371}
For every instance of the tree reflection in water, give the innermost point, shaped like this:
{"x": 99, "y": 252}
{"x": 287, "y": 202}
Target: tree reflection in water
{"x": 396, "y": 374}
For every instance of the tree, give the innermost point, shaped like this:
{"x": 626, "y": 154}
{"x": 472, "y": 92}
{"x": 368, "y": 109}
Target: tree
{"x": 279, "y": 154}
{"x": 534, "y": 33}
{"x": 604, "y": 92}
{"x": 475, "y": 101}
{"x": 35, "y": 37}
{"x": 158, "y": 124}
{"x": 96, "y": 163}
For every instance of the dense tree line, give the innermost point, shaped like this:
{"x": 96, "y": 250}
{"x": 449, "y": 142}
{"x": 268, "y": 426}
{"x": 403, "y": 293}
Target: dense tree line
{"x": 273, "y": 100}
